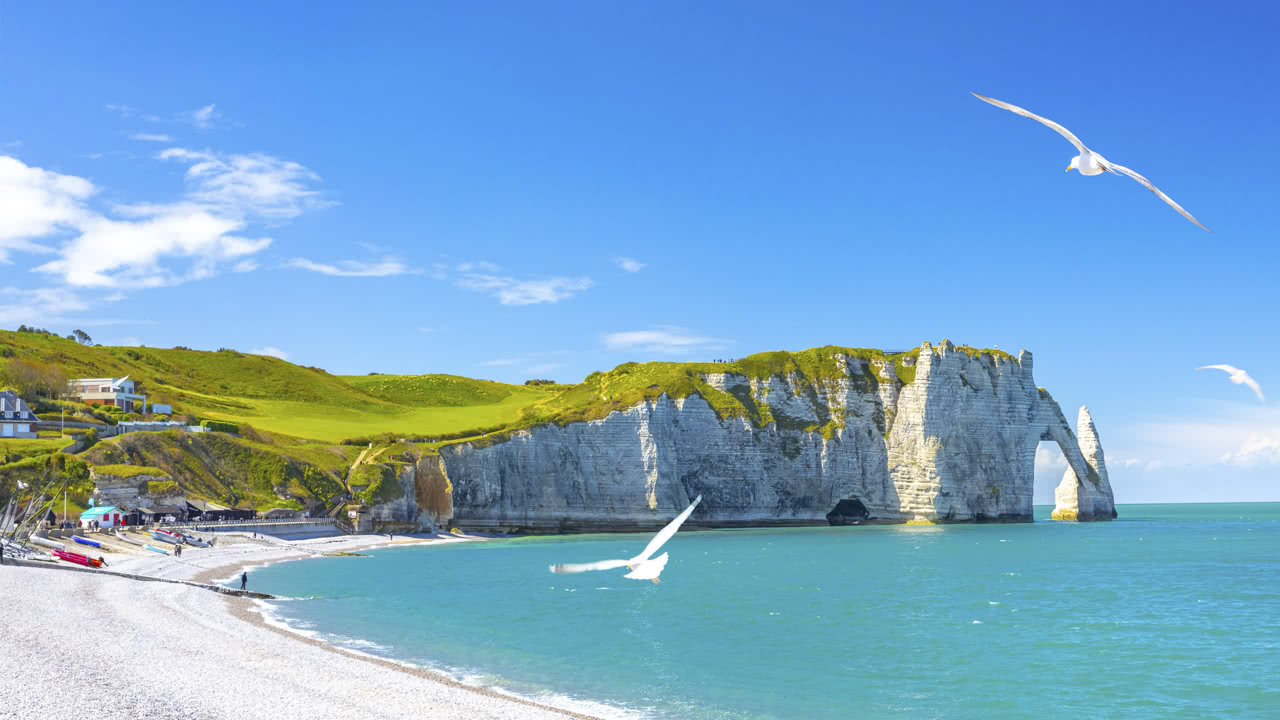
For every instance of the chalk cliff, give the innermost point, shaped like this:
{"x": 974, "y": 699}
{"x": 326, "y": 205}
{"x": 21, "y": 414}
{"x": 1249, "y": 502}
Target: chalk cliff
{"x": 939, "y": 434}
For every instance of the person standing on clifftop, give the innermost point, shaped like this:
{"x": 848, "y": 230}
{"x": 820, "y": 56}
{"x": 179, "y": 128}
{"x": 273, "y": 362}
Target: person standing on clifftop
{"x": 244, "y": 580}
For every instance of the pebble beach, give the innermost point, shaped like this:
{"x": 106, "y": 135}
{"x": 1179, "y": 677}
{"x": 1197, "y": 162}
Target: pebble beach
{"x": 114, "y": 647}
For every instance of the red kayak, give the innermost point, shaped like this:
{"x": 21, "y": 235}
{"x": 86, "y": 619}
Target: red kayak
{"x": 77, "y": 558}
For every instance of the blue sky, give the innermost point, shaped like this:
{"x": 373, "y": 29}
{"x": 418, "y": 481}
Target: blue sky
{"x": 515, "y": 190}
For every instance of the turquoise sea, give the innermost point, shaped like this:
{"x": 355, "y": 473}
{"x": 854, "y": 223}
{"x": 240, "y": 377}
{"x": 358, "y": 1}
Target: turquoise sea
{"x": 1169, "y": 611}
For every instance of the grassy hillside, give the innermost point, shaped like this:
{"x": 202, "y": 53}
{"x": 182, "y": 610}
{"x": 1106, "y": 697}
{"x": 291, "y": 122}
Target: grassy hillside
{"x": 232, "y": 471}
{"x": 271, "y": 394}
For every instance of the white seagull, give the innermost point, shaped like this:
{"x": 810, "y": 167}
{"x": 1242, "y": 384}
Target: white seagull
{"x": 1089, "y": 162}
{"x": 643, "y": 566}
{"x": 1238, "y": 377}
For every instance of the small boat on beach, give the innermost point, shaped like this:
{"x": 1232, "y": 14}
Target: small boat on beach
{"x": 155, "y": 549}
{"x": 87, "y": 541}
{"x": 77, "y": 558}
{"x": 195, "y": 541}
{"x": 168, "y": 537}
{"x": 47, "y": 542}
{"x": 126, "y": 538}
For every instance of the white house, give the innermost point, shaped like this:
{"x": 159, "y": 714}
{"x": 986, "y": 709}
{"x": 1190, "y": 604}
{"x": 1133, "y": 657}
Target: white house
{"x": 16, "y": 419}
{"x": 119, "y": 392}
{"x": 107, "y": 516}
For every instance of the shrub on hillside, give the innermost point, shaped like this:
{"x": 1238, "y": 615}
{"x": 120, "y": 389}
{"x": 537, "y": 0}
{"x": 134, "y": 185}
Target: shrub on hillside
{"x": 538, "y": 381}
{"x": 219, "y": 426}
{"x": 7, "y": 352}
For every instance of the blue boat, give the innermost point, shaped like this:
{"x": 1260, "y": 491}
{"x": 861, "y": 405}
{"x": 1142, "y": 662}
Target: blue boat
{"x": 86, "y": 541}
{"x": 153, "y": 548}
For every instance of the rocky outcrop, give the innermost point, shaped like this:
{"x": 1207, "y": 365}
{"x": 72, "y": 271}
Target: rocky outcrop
{"x": 426, "y": 503}
{"x": 955, "y": 444}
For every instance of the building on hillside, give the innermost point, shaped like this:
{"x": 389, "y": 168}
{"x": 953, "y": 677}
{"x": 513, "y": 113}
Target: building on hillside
{"x": 162, "y": 408}
{"x": 282, "y": 514}
{"x": 106, "y": 516}
{"x": 160, "y": 514}
{"x": 213, "y": 512}
{"x": 16, "y": 419}
{"x": 120, "y": 392}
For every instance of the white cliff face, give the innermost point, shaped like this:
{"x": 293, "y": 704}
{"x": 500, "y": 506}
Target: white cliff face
{"x": 960, "y": 446}
{"x": 1085, "y": 496}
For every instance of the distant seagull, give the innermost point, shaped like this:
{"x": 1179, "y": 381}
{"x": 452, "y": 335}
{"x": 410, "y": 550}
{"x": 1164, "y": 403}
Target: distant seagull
{"x": 1238, "y": 377}
{"x": 1089, "y": 162}
{"x": 641, "y": 566}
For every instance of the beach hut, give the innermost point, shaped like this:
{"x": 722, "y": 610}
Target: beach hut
{"x": 106, "y": 516}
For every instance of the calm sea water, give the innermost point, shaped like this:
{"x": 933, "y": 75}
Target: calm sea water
{"x": 1170, "y": 611}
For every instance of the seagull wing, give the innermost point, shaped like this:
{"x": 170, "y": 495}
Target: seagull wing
{"x": 1070, "y": 136}
{"x": 586, "y": 567}
{"x": 665, "y": 533}
{"x": 1126, "y": 171}
{"x": 649, "y": 569}
{"x": 1224, "y": 368}
{"x": 1257, "y": 389}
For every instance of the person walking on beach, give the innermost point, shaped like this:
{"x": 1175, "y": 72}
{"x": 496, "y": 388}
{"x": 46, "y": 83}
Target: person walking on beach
{"x": 244, "y": 580}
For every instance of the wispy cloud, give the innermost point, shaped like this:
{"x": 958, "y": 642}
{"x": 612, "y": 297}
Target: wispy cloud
{"x": 274, "y": 352}
{"x": 354, "y": 268}
{"x": 39, "y": 305}
{"x": 256, "y": 185}
{"x": 129, "y": 111}
{"x": 203, "y": 118}
{"x": 511, "y": 291}
{"x": 667, "y": 340}
{"x": 629, "y": 264}
{"x": 152, "y": 137}
{"x": 426, "y": 329}
{"x": 245, "y": 266}
{"x": 1257, "y": 449}
{"x": 503, "y": 362}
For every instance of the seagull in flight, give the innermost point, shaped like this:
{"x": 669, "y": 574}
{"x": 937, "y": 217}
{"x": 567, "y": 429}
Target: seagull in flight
{"x": 643, "y": 566}
{"x": 1238, "y": 377}
{"x": 1089, "y": 162}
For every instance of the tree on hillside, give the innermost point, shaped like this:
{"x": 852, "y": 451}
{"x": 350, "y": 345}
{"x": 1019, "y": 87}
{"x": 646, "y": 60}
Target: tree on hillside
{"x": 33, "y": 379}
{"x": 82, "y": 337}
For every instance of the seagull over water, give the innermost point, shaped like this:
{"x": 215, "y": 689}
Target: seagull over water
{"x": 1238, "y": 377}
{"x": 1089, "y": 162}
{"x": 643, "y": 566}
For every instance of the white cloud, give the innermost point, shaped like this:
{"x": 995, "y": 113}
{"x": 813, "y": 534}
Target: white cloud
{"x": 139, "y": 246}
{"x": 274, "y": 352}
{"x": 245, "y": 266}
{"x": 36, "y": 203}
{"x": 354, "y": 268}
{"x": 504, "y": 362}
{"x": 152, "y": 137}
{"x": 128, "y": 253}
{"x": 668, "y": 340}
{"x": 1257, "y": 449}
{"x": 629, "y": 264}
{"x": 203, "y": 118}
{"x": 426, "y": 329}
{"x": 511, "y": 291}
{"x": 256, "y": 185}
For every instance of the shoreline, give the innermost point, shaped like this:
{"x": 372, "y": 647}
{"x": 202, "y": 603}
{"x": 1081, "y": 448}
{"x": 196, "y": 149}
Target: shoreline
{"x": 114, "y": 598}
